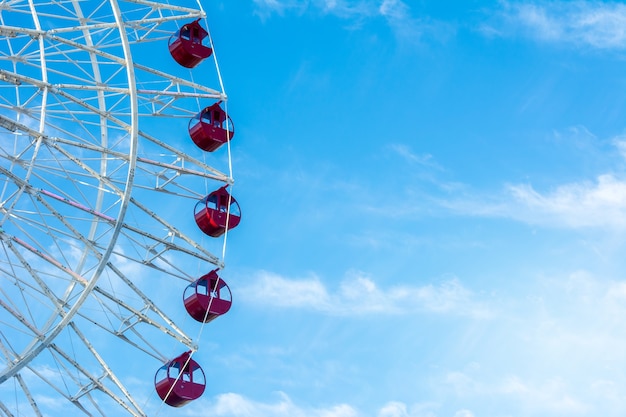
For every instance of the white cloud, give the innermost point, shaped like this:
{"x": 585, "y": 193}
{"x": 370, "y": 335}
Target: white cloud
{"x": 341, "y": 8}
{"x": 620, "y": 143}
{"x": 359, "y": 294}
{"x": 400, "y": 409}
{"x": 558, "y": 351}
{"x": 236, "y": 405}
{"x": 283, "y": 292}
{"x": 273, "y": 5}
{"x": 394, "y": 10}
{"x": 394, "y": 409}
{"x": 404, "y": 151}
{"x": 600, "y": 203}
{"x": 396, "y": 13}
{"x": 595, "y": 24}
{"x": 544, "y": 397}
{"x": 266, "y": 8}
{"x": 550, "y": 396}
{"x": 406, "y": 27}
{"x": 347, "y": 9}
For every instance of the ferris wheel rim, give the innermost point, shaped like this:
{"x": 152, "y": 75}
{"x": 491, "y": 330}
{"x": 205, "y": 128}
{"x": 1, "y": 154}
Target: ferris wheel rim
{"x": 53, "y": 203}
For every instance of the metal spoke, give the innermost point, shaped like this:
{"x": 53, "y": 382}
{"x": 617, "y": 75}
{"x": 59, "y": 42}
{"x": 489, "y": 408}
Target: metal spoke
{"x": 86, "y": 170}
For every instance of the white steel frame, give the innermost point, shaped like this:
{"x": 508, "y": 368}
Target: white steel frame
{"x": 83, "y": 175}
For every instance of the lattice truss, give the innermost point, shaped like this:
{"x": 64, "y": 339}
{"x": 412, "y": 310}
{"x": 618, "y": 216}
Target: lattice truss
{"x": 98, "y": 180}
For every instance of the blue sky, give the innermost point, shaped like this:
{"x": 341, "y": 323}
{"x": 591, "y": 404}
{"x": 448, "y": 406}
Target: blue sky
{"x": 433, "y": 199}
{"x": 433, "y": 206}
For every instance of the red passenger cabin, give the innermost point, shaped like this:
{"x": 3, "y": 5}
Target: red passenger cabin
{"x": 186, "y": 45}
{"x": 207, "y": 298}
{"x": 217, "y": 212}
{"x": 180, "y": 381}
{"x": 211, "y": 128}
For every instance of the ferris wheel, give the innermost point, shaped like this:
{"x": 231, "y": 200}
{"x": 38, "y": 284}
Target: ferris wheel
{"x": 111, "y": 199}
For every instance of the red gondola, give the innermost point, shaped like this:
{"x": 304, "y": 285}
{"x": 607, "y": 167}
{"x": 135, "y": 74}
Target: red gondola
{"x": 180, "y": 381}
{"x": 214, "y": 211}
{"x": 207, "y": 297}
{"x": 186, "y": 45}
{"x": 209, "y": 129}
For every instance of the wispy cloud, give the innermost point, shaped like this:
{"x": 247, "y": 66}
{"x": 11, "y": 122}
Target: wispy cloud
{"x": 407, "y": 27}
{"x": 464, "y": 413}
{"x": 620, "y": 145}
{"x": 394, "y": 9}
{"x": 549, "y": 396}
{"x": 394, "y": 409}
{"x": 396, "y": 13}
{"x": 587, "y": 23}
{"x": 561, "y": 350}
{"x": 400, "y": 409}
{"x": 425, "y": 168}
{"x": 347, "y": 9}
{"x": 236, "y": 405}
{"x": 265, "y": 8}
{"x": 599, "y": 203}
{"x": 358, "y": 294}
{"x": 407, "y": 153}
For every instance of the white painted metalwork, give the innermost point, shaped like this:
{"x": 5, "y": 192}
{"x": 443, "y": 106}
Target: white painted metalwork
{"x": 98, "y": 180}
